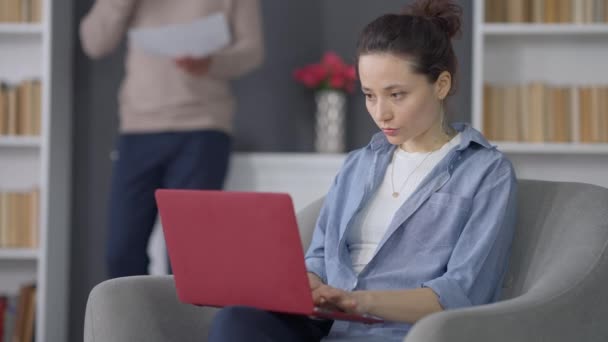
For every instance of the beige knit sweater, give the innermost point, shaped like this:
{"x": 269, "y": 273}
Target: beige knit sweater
{"x": 157, "y": 96}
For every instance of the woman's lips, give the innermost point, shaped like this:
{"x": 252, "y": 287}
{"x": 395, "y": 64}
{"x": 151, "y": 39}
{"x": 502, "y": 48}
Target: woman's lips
{"x": 390, "y": 131}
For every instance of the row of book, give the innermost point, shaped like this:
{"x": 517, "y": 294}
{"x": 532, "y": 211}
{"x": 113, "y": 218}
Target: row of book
{"x": 19, "y": 219}
{"x": 18, "y": 315}
{"x": 20, "y": 108}
{"x": 20, "y": 11}
{"x": 547, "y": 11}
{"x": 538, "y": 112}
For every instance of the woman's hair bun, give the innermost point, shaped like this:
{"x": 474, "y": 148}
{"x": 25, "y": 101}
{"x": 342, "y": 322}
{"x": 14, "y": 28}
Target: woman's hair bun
{"x": 445, "y": 13}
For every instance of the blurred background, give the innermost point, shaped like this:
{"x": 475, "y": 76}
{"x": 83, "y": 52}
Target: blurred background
{"x": 274, "y": 113}
{"x": 532, "y": 76}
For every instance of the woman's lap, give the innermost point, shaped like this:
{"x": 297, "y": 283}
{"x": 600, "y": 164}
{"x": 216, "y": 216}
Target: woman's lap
{"x": 233, "y": 324}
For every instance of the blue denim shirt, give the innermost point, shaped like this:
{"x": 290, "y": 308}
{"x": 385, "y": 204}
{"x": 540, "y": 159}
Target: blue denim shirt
{"x": 452, "y": 235}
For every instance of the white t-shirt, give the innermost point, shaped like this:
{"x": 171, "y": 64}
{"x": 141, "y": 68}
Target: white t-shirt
{"x": 373, "y": 220}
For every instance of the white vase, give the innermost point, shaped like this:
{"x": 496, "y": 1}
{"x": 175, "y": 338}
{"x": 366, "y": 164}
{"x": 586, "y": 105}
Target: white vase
{"x": 330, "y": 121}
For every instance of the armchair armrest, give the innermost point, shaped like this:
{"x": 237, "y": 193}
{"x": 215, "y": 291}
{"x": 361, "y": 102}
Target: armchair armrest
{"x": 143, "y": 308}
{"x": 557, "y": 311}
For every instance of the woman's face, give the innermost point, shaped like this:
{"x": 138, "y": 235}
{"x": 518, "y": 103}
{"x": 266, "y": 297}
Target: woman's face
{"x": 404, "y": 105}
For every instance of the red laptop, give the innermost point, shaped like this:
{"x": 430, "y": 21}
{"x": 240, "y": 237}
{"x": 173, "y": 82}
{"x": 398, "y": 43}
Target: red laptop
{"x": 238, "y": 248}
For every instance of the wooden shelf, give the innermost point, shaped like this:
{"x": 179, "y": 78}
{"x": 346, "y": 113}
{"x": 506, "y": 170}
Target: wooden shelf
{"x": 551, "y": 148}
{"x": 504, "y": 29}
{"x": 19, "y": 141}
{"x": 20, "y": 28}
{"x": 18, "y": 254}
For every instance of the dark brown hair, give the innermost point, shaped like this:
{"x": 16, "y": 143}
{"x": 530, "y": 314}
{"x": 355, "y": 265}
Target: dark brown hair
{"x": 423, "y": 33}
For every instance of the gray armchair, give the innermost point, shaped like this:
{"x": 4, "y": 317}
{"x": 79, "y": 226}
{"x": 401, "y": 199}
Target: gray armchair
{"x": 555, "y": 289}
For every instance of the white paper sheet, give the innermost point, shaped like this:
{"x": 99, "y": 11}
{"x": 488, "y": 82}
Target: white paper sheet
{"x": 199, "y": 38}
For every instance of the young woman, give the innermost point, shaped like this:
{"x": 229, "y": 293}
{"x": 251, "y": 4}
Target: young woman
{"x": 418, "y": 221}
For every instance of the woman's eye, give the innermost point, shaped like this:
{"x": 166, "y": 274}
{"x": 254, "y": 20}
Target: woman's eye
{"x": 397, "y": 96}
{"x": 369, "y": 97}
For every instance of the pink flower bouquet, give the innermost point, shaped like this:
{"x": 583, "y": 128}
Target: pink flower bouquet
{"x": 332, "y": 73}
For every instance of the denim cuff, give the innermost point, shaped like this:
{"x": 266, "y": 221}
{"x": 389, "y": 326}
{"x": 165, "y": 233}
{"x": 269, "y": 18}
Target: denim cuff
{"x": 316, "y": 265}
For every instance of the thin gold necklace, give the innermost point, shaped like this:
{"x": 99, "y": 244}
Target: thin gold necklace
{"x": 397, "y": 193}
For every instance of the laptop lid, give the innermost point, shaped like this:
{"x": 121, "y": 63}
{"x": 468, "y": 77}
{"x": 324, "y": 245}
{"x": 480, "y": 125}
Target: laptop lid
{"x": 235, "y": 248}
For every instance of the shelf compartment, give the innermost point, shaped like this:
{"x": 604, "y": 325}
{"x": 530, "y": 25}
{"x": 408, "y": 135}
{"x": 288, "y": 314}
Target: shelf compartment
{"x": 551, "y": 148}
{"x": 503, "y": 29}
{"x": 18, "y": 253}
{"x": 19, "y": 141}
{"x": 20, "y": 28}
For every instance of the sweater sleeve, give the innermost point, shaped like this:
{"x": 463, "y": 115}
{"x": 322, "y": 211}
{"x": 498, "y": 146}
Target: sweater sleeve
{"x": 246, "y": 51}
{"x": 103, "y": 28}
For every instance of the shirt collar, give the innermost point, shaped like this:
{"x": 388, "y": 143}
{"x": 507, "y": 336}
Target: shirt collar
{"x": 468, "y": 135}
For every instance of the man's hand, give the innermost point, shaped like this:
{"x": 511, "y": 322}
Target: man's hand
{"x": 194, "y": 66}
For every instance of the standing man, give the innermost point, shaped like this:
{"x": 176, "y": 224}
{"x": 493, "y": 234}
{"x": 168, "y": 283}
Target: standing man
{"x": 175, "y": 115}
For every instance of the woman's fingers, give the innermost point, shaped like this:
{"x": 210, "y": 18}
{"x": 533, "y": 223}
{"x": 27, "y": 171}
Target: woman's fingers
{"x": 317, "y": 295}
{"x": 329, "y": 296}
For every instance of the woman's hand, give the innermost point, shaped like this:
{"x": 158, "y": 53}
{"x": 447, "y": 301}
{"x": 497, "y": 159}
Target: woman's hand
{"x": 194, "y": 66}
{"x": 351, "y": 302}
{"x": 332, "y": 298}
{"x": 314, "y": 281}
{"x": 315, "y": 284}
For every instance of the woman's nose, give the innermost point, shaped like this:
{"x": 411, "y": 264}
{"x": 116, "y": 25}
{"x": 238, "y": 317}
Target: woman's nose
{"x": 383, "y": 112}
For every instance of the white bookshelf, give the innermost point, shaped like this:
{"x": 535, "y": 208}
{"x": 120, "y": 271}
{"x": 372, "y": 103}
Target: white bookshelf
{"x": 516, "y": 29}
{"x": 558, "y": 54}
{"x": 19, "y": 28}
{"x": 43, "y": 51}
{"x": 18, "y": 254}
{"x": 19, "y": 141}
{"x": 552, "y": 148}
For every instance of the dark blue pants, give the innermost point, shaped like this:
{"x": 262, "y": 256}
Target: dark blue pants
{"x": 244, "y": 324}
{"x": 146, "y": 162}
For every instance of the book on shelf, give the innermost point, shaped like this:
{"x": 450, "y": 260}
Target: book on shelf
{"x": 20, "y": 108}
{"x": 546, "y": 11}
{"x": 29, "y": 315}
{"x": 19, "y": 315}
{"x": 20, "y": 11}
{"x": 3, "y": 307}
{"x": 511, "y": 130}
{"x": 594, "y": 121}
{"x": 19, "y": 219}
{"x": 537, "y": 112}
{"x": 10, "y": 317}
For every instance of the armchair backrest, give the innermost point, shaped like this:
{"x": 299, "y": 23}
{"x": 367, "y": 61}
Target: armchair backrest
{"x": 307, "y": 219}
{"x": 561, "y": 237}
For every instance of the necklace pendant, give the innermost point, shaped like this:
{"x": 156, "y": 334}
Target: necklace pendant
{"x": 395, "y": 194}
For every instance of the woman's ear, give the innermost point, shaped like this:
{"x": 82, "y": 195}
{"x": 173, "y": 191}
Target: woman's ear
{"x": 443, "y": 85}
